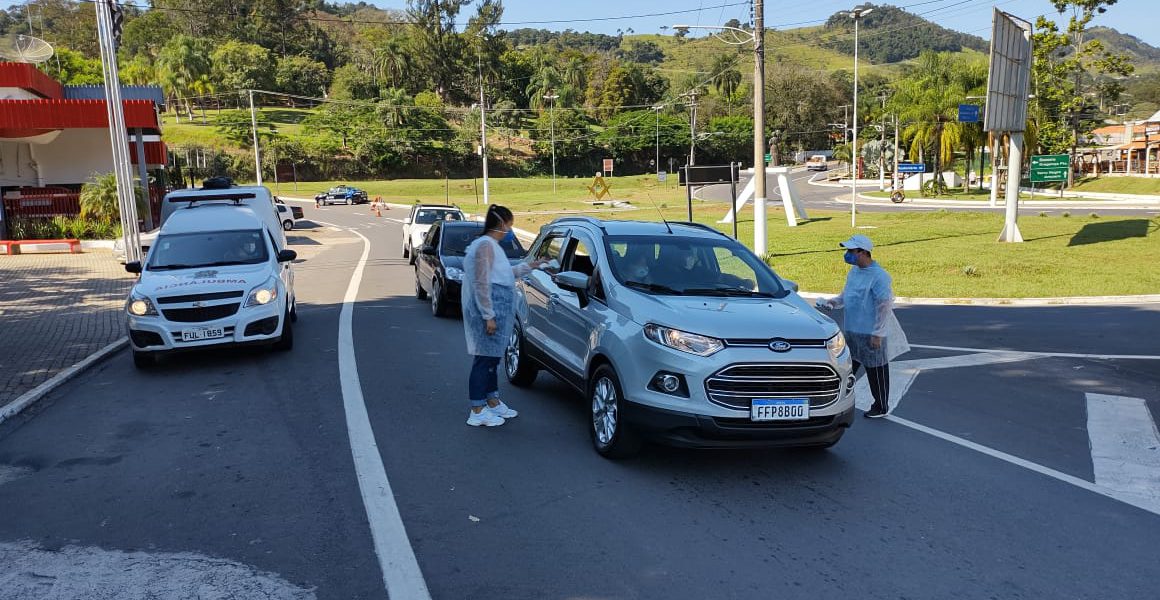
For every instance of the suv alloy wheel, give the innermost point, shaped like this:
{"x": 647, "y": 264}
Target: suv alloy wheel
{"x": 612, "y": 437}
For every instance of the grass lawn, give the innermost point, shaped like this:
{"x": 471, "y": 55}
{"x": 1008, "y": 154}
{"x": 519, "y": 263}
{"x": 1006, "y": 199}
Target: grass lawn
{"x": 930, "y": 254}
{"x": 985, "y": 196}
{"x": 1119, "y": 185}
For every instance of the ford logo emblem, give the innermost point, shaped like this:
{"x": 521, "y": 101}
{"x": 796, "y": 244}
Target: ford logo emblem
{"x": 780, "y": 346}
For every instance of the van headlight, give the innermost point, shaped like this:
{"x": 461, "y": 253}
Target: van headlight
{"x": 684, "y": 341}
{"x": 263, "y": 294}
{"x": 836, "y": 345}
{"x": 139, "y": 306}
{"x": 453, "y": 273}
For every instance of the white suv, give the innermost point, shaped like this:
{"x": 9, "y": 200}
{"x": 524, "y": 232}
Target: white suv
{"x": 418, "y": 223}
{"x": 215, "y": 276}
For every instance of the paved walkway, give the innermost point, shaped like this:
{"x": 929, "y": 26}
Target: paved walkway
{"x": 56, "y": 309}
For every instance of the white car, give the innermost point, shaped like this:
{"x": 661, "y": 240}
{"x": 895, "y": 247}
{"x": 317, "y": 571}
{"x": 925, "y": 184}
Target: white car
{"x": 289, "y": 215}
{"x": 215, "y": 276}
{"x": 418, "y": 223}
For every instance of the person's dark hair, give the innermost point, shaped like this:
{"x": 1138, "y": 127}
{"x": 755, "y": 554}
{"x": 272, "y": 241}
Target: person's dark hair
{"x": 496, "y": 216}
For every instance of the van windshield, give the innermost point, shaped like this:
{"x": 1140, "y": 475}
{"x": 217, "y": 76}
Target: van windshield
{"x": 208, "y": 249}
{"x": 682, "y": 266}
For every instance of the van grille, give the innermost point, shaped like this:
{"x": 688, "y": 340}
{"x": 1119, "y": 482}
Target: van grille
{"x": 201, "y": 314}
{"x": 736, "y": 386}
{"x": 199, "y": 297}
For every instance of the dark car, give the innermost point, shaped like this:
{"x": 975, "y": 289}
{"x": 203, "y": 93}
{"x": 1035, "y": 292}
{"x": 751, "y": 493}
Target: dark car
{"x": 439, "y": 265}
{"x": 345, "y": 194}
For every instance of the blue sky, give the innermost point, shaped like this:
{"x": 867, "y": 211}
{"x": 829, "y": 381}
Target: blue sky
{"x": 1137, "y": 17}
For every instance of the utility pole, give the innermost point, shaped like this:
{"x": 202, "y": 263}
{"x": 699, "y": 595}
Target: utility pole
{"x": 693, "y": 127}
{"x": 254, "y": 130}
{"x": 552, "y": 96}
{"x": 894, "y": 176}
{"x": 657, "y": 110}
{"x": 856, "y": 14}
{"x": 483, "y": 128}
{"x": 882, "y": 147}
{"x": 118, "y": 135}
{"x": 759, "y": 221}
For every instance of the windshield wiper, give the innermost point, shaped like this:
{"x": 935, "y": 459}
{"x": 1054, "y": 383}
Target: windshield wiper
{"x": 231, "y": 263}
{"x": 171, "y": 267}
{"x": 653, "y": 287}
{"x": 741, "y": 292}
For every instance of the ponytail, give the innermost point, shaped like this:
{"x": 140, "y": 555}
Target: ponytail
{"x": 496, "y": 216}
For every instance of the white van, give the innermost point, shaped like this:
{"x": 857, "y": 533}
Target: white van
{"x": 817, "y": 162}
{"x": 256, "y": 197}
{"x": 215, "y": 276}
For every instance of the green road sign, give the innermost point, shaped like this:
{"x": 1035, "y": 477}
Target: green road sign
{"x": 768, "y": 157}
{"x": 1049, "y": 167}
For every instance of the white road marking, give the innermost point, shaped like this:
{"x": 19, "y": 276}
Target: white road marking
{"x": 904, "y": 372}
{"x": 401, "y": 573}
{"x": 1044, "y": 354}
{"x": 393, "y": 220}
{"x": 1026, "y": 464}
{"x": 1125, "y": 447}
{"x": 29, "y": 571}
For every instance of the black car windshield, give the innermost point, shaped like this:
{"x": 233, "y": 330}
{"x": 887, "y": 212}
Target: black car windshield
{"x": 429, "y": 216}
{"x": 675, "y": 265}
{"x": 208, "y": 249}
{"x": 457, "y": 239}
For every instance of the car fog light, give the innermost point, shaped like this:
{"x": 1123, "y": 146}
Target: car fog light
{"x": 850, "y": 382}
{"x": 670, "y": 383}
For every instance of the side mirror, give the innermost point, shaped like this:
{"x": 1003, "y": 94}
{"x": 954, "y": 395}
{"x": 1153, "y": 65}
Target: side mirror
{"x": 287, "y": 256}
{"x": 575, "y": 282}
{"x": 427, "y": 250}
{"x": 790, "y": 285}
{"x": 406, "y": 220}
{"x": 133, "y": 267}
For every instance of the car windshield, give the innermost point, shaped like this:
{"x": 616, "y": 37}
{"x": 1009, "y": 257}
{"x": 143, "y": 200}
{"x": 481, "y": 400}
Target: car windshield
{"x": 457, "y": 239}
{"x": 208, "y": 249}
{"x": 675, "y": 265}
{"x": 429, "y": 216}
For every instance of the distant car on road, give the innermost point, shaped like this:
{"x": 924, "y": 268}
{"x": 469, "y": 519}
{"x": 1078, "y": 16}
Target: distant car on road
{"x": 676, "y": 332}
{"x": 817, "y": 162}
{"x": 345, "y": 194}
{"x": 289, "y": 214}
{"x": 416, "y": 224}
{"x": 439, "y": 264}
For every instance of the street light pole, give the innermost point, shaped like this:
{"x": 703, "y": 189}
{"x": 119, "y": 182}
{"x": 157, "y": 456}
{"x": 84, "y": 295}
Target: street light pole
{"x": 552, "y": 126}
{"x": 657, "y": 110}
{"x": 759, "y": 222}
{"x": 856, "y": 14}
{"x": 483, "y": 128}
{"x": 254, "y": 130}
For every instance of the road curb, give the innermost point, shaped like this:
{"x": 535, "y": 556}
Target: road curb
{"x": 35, "y": 394}
{"x": 1056, "y": 204}
{"x": 1017, "y": 302}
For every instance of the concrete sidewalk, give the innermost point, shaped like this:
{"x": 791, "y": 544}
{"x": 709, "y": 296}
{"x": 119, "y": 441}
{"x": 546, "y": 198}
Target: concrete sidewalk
{"x": 55, "y": 310}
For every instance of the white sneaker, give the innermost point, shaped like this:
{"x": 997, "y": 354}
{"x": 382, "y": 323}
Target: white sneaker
{"x": 483, "y": 418}
{"x": 503, "y": 411}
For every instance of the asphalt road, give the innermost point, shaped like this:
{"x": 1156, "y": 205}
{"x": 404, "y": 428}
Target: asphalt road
{"x": 837, "y": 198}
{"x": 235, "y": 469}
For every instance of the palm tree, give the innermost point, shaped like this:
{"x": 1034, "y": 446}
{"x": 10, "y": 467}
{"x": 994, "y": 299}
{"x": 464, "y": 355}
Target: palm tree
{"x": 546, "y": 80}
{"x": 726, "y": 77}
{"x": 184, "y": 68}
{"x": 99, "y": 199}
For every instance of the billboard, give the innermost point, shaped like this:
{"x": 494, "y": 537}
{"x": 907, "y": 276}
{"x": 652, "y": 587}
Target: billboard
{"x": 1009, "y": 80}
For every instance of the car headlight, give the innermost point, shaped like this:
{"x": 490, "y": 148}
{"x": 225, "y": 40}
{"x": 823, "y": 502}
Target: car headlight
{"x": 684, "y": 341}
{"x": 263, "y": 294}
{"x": 139, "y": 306}
{"x": 836, "y": 345}
{"x": 453, "y": 273}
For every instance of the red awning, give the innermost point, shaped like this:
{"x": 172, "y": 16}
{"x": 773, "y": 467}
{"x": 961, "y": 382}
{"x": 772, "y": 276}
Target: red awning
{"x": 27, "y": 77}
{"x": 25, "y": 118}
{"x": 155, "y": 153}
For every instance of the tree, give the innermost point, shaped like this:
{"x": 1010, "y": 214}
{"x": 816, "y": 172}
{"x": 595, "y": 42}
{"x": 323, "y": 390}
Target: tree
{"x": 72, "y": 68}
{"x": 184, "y": 68}
{"x": 301, "y": 76}
{"x": 352, "y": 83}
{"x": 1063, "y": 70}
{"x": 437, "y": 50}
{"x": 99, "y": 199}
{"x": 240, "y": 66}
{"x": 726, "y": 77}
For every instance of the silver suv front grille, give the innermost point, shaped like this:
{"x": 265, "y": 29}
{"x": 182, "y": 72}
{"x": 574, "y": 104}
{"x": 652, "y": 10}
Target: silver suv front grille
{"x": 736, "y": 386}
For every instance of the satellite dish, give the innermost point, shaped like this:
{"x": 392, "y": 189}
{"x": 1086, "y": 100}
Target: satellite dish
{"x": 25, "y": 49}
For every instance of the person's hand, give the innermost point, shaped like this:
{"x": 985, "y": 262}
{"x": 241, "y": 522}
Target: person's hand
{"x": 492, "y": 327}
{"x": 539, "y": 264}
{"x": 875, "y": 341}
{"x": 824, "y": 303}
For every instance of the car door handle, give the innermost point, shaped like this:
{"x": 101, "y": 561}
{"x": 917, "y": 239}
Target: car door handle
{"x": 554, "y": 299}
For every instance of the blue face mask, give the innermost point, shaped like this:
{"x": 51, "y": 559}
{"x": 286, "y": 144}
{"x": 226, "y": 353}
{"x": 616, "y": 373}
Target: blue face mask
{"x": 850, "y": 258}
{"x": 509, "y": 237}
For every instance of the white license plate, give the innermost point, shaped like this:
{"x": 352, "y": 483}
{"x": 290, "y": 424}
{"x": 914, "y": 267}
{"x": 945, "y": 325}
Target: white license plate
{"x": 202, "y": 333}
{"x": 780, "y": 409}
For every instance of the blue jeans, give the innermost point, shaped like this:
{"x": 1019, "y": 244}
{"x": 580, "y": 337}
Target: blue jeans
{"x": 483, "y": 384}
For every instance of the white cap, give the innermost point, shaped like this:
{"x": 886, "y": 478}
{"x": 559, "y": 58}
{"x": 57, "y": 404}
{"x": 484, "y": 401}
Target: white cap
{"x": 859, "y": 242}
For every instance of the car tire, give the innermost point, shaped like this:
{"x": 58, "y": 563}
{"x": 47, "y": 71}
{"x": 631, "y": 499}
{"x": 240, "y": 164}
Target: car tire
{"x": 411, "y": 254}
{"x": 294, "y": 312}
{"x": 286, "y": 340}
{"x": 517, "y": 365}
{"x": 420, "y": 293}
{"x": 287, "y": 225}
{"x": 144, "y": 360}
{"x": 438, "y": 300}
{"x": 406, "y": 250}
{"x": 611, "y": 436}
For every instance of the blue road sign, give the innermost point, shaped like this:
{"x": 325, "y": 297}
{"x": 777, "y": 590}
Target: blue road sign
{"x": 911, "y": 168}
{"x": 968, "y": 113}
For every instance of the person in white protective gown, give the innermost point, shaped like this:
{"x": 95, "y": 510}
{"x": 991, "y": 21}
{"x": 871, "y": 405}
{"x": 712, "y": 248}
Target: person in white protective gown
{"x": 488, "y": 298}
{"x": 873, "y": 333}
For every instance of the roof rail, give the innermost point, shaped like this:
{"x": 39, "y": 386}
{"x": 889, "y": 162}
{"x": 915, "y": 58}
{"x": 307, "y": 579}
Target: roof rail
{"x": 699, "y": 226}
{"x": 581, "y": 219}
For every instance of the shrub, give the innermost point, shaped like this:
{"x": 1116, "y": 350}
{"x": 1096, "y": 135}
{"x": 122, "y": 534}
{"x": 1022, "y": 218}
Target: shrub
{"x": 1042, "y": 214}
{"x": 971, "y": 271}
{"x": 99, "y": 199}
{"x": 1094, "y": 215}
{"x": 1066, "y": 214}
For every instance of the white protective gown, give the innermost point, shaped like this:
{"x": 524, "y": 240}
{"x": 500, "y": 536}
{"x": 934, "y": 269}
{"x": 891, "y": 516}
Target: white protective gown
{"x": 868, "y": 303}
{"x": 488, "y": 293}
